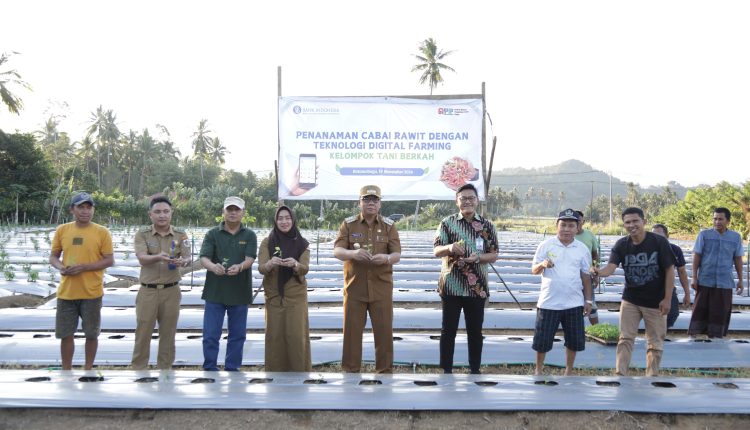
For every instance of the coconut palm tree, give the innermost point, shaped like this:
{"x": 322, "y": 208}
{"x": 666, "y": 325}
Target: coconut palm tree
{"x": 165, "y": 142}
{"x": 129, "y": 159}
{"x": 218, "y": 151}
{"x": 202, "y": 145}
{"x": 8, "y": 78}
{"x": 104, "y": 126}
{"x": 430, "y": 64}
{"x": 149, "y": 152}
{"x": 86, "y": 150}
{"x": 55, "y": 144}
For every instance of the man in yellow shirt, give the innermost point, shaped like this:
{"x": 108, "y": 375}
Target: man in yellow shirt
{"x": 86, "y": 250}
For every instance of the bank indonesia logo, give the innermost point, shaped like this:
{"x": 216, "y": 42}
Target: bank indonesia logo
{"x": 297, "y": 109}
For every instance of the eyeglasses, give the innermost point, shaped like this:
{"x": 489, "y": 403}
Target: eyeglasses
{"x": 467, "y": 198}
{"x": 370, "y": 199}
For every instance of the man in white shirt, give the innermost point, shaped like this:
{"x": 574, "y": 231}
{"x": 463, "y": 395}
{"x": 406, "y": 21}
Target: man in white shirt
{"x": 565, "y": 296}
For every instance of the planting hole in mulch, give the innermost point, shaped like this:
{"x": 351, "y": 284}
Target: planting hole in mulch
{"x": 726, "y": 385}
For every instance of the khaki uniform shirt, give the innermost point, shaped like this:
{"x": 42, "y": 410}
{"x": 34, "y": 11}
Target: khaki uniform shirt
{"x": 174, "y": 243}
{"x": 364, "y": 281}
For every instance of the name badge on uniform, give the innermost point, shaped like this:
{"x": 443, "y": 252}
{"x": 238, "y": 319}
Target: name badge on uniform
{"x": 480, "y": 244}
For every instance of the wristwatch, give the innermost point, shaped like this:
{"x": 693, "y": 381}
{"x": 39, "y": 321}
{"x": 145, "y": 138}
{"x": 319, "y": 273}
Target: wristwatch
{"x": 591, "y": 302}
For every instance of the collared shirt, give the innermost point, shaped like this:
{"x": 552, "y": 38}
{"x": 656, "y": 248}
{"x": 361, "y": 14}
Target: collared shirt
{"x": 227, "y": 249}
{"x": 458, "y": 278}
{"x": 364, "y": 281}
{"x": 562, "y": 287}
{"x": 175, "y": 243}
{"x": 717, "y": 253}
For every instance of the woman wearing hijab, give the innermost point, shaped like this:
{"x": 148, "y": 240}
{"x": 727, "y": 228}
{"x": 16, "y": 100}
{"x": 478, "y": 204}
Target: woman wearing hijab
{"x": 284, "y": 260}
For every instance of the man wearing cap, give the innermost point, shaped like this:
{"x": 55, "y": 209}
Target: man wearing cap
{"x": 369, "y": 246}
{"x": 592, "y": 243}
{"x": 467, "y": 243}
{"x": 227, "y": 253}
{"x": 86, "y": 250}
{"x": 648, "y": 264}
{"x": 161, "y": 250}
{"x": 565, "y": 297}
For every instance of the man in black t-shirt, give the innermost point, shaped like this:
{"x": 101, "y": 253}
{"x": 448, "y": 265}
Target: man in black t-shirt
{"x": 648, "y": 263}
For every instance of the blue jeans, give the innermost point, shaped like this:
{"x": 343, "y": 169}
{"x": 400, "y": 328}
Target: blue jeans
{"x": 213, "y": 319}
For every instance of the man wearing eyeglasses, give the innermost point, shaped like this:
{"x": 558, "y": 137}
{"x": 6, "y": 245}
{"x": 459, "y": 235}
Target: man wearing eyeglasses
{"x": 369, "y": 246}
{"x": 466, "y": 242}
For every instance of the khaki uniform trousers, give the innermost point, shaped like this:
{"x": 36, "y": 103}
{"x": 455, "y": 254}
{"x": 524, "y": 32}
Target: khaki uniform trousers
{"x": 656, "y": 331}
{"x": 154, "y": 305}
{"x": 355, "y": 318}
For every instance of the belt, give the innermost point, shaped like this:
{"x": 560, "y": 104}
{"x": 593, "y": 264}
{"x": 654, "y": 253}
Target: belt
{"x": 160, "y": 286}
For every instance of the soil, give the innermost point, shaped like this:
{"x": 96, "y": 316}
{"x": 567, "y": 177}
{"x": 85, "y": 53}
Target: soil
{"x": 21, "y": 301}
{"x": 101, "y": 419}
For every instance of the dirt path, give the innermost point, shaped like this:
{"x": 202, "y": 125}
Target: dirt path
{"x": 83, "y": 419}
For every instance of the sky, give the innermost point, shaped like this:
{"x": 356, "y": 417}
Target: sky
{"x": 651, "y": 91}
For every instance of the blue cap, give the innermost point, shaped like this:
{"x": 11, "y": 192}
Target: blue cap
{"x": 568, "y": 215}
{"x": 81, "y": 198}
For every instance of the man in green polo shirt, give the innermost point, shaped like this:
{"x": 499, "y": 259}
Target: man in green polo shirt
{"x": 227, "y": 253}
{"x": 592, "y": 243}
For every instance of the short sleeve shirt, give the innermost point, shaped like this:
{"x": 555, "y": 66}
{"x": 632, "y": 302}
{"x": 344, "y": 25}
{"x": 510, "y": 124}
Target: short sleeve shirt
{"x": 479, "y": 236}
{"x": 364, "y": 281}
{"x": 82, "y": 246}
{"x": 175, "y": 243}
{"x": 589, "y": 239}
{"x": 717, "y": 253}
{"x": 562, "y": 287}
{"x": 227, "y": 249}
{"x": 679, "y": 257}
{"x": 644, "y": 265}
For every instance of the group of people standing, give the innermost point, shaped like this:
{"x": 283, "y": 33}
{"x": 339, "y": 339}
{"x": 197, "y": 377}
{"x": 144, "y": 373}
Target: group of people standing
{"x": 369, "y": 246}
{"x": 649, "y": 263}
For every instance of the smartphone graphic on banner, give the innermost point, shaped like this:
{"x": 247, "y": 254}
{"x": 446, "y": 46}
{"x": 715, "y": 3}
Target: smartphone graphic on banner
{"x": 308, "y": 177}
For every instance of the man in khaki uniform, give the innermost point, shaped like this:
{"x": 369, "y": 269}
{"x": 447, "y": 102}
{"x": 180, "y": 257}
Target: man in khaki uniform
{"x": 369, "y": 246}
{"x": 161, "y": 250}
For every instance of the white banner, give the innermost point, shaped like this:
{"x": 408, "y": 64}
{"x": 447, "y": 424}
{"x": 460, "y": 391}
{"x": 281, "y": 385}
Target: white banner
{"x": 413, "y": 149}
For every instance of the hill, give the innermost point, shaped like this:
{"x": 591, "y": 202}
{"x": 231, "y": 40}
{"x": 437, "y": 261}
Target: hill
{"x": 572, "y": 183}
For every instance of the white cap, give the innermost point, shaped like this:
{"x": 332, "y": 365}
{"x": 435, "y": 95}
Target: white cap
{"x": 234, "y": 201}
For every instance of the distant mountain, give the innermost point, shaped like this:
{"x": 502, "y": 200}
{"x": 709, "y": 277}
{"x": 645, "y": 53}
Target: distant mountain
{"x": 572, "y": 183}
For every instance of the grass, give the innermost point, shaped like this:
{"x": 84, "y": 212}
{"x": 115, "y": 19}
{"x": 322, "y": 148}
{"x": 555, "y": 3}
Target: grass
{"x": 605, "y": 331}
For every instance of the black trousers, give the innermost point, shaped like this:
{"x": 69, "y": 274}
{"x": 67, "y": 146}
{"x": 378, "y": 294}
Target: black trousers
{"x": 474, "y": 317}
